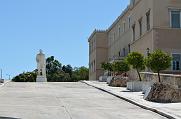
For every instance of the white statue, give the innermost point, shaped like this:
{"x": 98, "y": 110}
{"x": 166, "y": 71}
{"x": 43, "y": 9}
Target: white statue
{"x": 41, "y": 66}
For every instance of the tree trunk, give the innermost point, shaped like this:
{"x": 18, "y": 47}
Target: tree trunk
{"x": 139, "y": 74}
{"x": 109, "y": 73}
{"x": 159, "y": 77}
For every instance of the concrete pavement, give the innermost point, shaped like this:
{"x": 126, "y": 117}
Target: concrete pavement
{"x": 170, "y": 110}
{"x": 65, "y": 101}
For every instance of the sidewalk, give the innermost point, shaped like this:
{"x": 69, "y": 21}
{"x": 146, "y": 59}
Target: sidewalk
{"x": 170, "y": 110}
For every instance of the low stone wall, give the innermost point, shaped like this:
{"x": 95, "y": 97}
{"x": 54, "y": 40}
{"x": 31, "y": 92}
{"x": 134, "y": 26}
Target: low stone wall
{"x": 109, "y": 78}
{"x": 171, "y": 79}
{"x": 137, "y": 86}
{"x": 119, "y": 82}
{"x": 163, "y": 93}
{"x": 103, "y": 78}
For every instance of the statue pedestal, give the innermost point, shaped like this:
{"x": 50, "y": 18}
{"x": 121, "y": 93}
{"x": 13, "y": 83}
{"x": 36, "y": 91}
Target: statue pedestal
{"x": 41, "y": 79}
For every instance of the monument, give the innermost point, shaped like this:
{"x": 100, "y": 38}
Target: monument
{"x": 41, "y": 66}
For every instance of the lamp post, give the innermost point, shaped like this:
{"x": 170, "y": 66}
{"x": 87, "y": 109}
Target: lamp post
{"x": 1, "y": 74}
{"x": 148, "y": 51}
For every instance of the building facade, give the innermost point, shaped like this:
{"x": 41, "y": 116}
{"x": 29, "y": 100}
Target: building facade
{"x": 98, "y": 43}
{"x": 144, "y": 26}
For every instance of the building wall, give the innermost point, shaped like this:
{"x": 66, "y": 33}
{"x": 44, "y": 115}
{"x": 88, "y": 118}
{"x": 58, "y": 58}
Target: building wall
{"x": 119, "y": 36}
{"x": 165, "y": 37}
{"x": 117, "y": 41}
{"x": 98, "y": 45}
{"x": 160, "y": 36}
{"x": 168, "y": 40}
{"x": 145, "y": 40}
{"x": 161, "y": 12}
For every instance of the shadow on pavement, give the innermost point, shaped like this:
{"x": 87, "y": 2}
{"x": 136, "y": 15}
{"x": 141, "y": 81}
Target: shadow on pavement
{"x": 8, "y": 118}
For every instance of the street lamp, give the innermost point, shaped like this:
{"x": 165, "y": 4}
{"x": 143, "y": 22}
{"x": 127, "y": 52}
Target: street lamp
{"x": 1, "y": 74}
{"x": 148, "y": 51}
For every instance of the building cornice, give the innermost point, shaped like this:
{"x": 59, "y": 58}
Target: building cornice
{"x": 129, "y": 8}
{"x": 94, "y": 32}
{"x": 119, "y": 18}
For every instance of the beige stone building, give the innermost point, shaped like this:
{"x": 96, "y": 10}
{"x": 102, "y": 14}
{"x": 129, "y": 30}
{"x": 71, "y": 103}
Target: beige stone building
{"x": 98, "y": 49}
{"x": 144, "y": 26}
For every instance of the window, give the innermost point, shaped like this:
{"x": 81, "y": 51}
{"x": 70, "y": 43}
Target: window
{"x": 119, "y": 54}
{"x": 92, "y": 46}
{"x": 94, "y": 43}
{"x": 114, "y": 36}
{"x": 140, "y": 25}
{"x": 94, "y": 66}
{"x": 133, "y": 29}
{"x": 91, "y": 67}
{"x": 148, "y": 20}
{"x": 132, "y": 2}
{"x": 124, "y": 52}
{"x": 129, "y": 22}
{"x": 119, "y": 30}
{"x": 129, "y": 48}
{"x": 175, "y": 19}
{"x": 124, "y": 26}
{"x": 176, "y": 63}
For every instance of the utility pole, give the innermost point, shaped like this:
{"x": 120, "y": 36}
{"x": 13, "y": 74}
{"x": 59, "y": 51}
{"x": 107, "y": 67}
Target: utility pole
{"x": 1, "y": 74}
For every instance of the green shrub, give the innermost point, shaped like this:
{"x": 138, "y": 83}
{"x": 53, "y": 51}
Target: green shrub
{"x": 136, "y": 60}
{"x": 157, "y": 61}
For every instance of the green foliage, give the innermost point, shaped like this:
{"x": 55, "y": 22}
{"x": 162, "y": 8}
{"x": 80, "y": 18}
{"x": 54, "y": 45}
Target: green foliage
{"x": 108, "y": 67}
{"x": 121, "y": 66}
{"x": 56, "y": 73}
{"x": 158, "y": 61}
{"x": 25, "y": 77}
{"x": 81, "y": 73}
{"x": 52, "y": 65}
{"x": 136, "y": 60}
{"x": 67, "y": 69}
{"x": 58, "y": 77}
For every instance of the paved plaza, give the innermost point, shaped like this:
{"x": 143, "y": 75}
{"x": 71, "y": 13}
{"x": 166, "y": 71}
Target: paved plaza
{"x": 65, "y": 101}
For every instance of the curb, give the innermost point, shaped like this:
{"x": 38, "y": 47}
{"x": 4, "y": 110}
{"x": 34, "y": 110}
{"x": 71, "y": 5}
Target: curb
{"x": 132, "y": 102}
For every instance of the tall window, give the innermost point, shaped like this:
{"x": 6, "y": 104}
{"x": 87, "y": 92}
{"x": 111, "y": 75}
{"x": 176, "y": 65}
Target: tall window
{"x": 129, "y": 48}
{"x": 148, "y": 20}
{"x": 119, "y": 30}
{"x": 89, "y": 48}
{"x": 132, "y": 2}
{"x": 176, "y": 63}
{"x": 124, "y": 26}
{"x": 124, "y": 52}
{"x": 129, "y": 21}
{"x": 114, "y": 37}
{"x": 92, "y": 46}
{"x": 140, "y": 25}
{"x": 175, "y": 19}
{"x": 119, "y": 53}
{"x": 94, "y": 66}
{"x": 133, "y": 29}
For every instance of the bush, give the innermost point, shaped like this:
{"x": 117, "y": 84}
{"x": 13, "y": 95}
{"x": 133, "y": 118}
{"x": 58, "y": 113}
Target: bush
{"x": 121, "y": 66}
{"x": 136, "y": 60}
{"x": 25, "y": 77}
{"x": 158, "y": 61}
{"x": 108, "y": 67}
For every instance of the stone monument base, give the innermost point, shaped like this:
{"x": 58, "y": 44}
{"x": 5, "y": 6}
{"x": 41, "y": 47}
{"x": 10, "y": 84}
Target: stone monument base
{"x": 41, "y": 79}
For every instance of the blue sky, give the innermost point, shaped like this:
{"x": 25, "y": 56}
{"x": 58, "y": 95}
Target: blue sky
{"x": 58, "y": 27}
